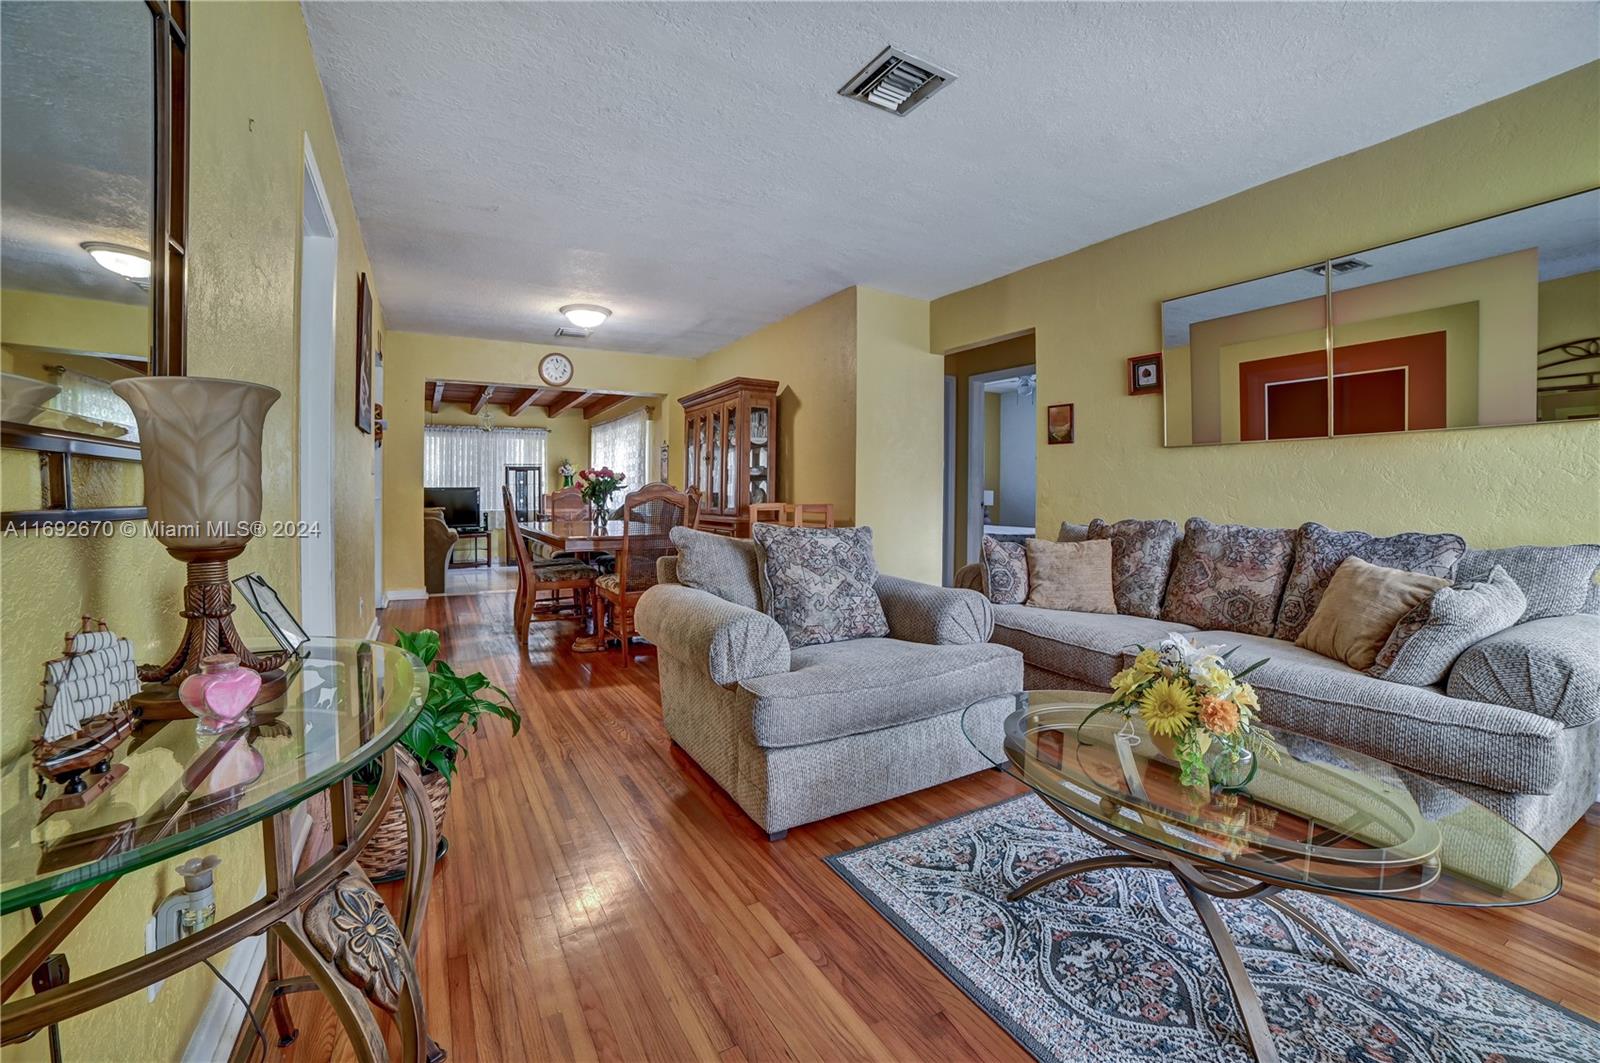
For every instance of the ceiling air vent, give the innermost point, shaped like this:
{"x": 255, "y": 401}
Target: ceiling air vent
{"x": 568, "y": 332}
{"x": 896, "y": 82}
{"x": 1341, "y": 267}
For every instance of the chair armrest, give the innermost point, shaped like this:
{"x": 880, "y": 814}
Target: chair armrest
{"x": 969, "y": 577}
{"x": 1550, "y": 667}
{"x": 731, "y": 642}
{"x": 941, "y": 616}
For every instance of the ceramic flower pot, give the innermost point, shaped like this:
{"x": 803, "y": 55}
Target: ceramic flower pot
{"x": 220, "y": 694}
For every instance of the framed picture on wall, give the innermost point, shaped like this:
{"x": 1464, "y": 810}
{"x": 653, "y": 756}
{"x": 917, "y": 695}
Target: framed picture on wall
{"x": 1059, "y": 424}
{"x": 1144, "y": 374}
{"x": 662, "y": 477}
{"x": 363, "y": 355}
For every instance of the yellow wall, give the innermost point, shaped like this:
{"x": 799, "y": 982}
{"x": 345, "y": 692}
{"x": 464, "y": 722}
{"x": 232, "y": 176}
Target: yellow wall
{"x": 991, "y": 446}
{"x": 256, "y": 95}
{"x": 1095, "y": 307}
{"x": 1569, "y": 309}
{"x": 899, "y": 443}
{"x": 42, "y": 320}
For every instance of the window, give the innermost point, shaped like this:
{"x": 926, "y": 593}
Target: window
{"x": 623, "y": 445}
{"x": 471, "y": 457}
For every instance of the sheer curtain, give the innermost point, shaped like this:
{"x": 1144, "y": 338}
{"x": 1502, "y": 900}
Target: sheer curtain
{"x": 471, "y": 457}
{"x": 623, "y": 445}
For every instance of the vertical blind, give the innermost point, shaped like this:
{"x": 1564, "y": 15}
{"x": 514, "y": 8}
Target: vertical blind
{"x": 624, "y": 446}
{"x": 471, "y": 457}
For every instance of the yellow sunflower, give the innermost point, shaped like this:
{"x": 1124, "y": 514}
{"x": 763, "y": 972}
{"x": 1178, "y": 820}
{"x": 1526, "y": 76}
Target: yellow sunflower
{"x": 1167, "y": 707}
{"x": 1147, "y": 662}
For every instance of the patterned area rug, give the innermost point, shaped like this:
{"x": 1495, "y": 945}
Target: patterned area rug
{"x": 1114, "y": 964}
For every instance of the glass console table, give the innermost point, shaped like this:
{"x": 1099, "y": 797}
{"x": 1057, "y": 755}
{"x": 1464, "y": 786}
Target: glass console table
{"x": 346, "y": 704}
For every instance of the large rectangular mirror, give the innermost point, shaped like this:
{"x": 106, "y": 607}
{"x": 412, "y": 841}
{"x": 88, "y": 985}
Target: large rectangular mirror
{"x": 93, "y": 190}
{"x": 1492, "y": 323}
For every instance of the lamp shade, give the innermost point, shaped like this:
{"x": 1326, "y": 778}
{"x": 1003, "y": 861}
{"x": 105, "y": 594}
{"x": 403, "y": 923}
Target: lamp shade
{"x": 201, "y": 440}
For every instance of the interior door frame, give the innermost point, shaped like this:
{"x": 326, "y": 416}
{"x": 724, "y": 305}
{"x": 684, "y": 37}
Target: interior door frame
{"x": 975, "y": 440}
{"x": 318, "y": 295}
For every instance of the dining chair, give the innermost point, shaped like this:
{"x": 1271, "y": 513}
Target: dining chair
{"x": 770, "y": 513}
{"x": 813, "y": 514}
{"x": 648, "y": 517}
{"x": 537, "y": 576}
{"x": 567, "y": 504}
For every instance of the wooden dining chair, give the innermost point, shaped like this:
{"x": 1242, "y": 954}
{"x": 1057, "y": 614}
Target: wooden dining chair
{"x": 770, "y": 513}
{"x": 567, "y": 504}
{"x": 813, "y": 514}
{"x": 536, "y": 576}
{"x": 648, "y": 517}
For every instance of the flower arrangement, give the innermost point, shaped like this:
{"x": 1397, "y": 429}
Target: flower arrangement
{"x": 565, "y": 471}
{"x": 598, "y": 485}
{"x": 1190, "y": 700}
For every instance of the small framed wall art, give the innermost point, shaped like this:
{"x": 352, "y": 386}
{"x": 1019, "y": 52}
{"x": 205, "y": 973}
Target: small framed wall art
{"x": 1058, "y": 424}
{"x": 1144, "y": 374}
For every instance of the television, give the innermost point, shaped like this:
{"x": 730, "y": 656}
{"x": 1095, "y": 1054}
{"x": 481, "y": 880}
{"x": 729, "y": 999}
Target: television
{"x": 462, "y": 510}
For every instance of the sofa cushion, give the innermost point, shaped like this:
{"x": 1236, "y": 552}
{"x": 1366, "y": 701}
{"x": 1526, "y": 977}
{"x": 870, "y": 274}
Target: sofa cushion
{"x": 1070, "y": 576}
{"x": 1229, "y": 576}
{"x": 1360, "y": 609}
{"x": 1005, "y": 571}
{"x": 1141, "y": 561}
{"x": 1319, "y": 552}
{"x": 1420, "y": 728}
{"x": 1428, "y": 639}
{"x": 849, "y": 688}
{"x": 1072, "y": 533}
{"x": 1557, "y": 580}
{"x": 818, "y": 583}
{"x": 1549, "y": 666}
{"x": 717, "y": 564}
{"x": 1084, "y": 646}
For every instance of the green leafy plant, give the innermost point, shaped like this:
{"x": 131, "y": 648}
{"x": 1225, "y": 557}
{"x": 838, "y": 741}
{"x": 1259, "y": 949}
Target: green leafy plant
{"x": 453, "y": 704}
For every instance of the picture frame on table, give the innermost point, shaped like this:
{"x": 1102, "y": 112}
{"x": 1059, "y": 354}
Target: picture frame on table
{"x": 1059, "y": 424}
{"x": 263, "y": 599}
{"x": 1146, "y": 374}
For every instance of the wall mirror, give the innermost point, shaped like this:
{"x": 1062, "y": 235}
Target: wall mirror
{"x": 1495, "y": 322}
{"x": 93, "y": 226}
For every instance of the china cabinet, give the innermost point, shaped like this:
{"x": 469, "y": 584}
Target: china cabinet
{"x": 730, "y": 451}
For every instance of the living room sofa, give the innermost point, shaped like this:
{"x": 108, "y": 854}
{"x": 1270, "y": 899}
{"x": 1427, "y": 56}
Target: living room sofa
{"x": 1514, "y": 726}
{"x": 799, "y": 734}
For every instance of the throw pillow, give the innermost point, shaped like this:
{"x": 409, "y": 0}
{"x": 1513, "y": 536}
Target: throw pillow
{"x": 1556, "y": 580}
{"x": 729, "y": 568}
{"x": 1141, "y": 561}
{"x": 1005, "y": 571}
{"x": 1073, "y": 576}
{"x": 1072, "y": 533}
{"x": 818, "y": 583}
{"x": 1360, "y": 608}
{"x": 1228, "y": 577}
{"x": 1427, "y": 640}
{"x": 1321, "y": 550}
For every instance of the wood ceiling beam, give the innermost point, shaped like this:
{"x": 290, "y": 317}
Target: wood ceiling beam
{"x": 482, "y": 400}
{"x": 436, "y": 398}
{"x": 602, "y": 404}
{"x": 515, "y": 409}
{"x": 567, "y": 400}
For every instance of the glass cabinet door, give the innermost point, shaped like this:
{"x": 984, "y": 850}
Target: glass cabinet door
{"x": 714, "y": 483}
{"x": 759, "y": 465}
{"x": 731, "y": 458}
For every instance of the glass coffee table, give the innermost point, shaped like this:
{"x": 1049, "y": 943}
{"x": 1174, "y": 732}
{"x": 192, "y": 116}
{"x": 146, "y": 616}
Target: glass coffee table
{"x": 1321, "y": 818}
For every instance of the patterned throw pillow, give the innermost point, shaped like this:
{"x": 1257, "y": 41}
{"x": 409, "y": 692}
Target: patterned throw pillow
{"x": 1141, "y": 561}
{"x": 818, "y": 583}
{"x": 1229, "y": 577}
{"x": 1321, "y": 551}
{"x": 1073, "y": 533}
{"x": 1427, "y": 640}
{"x": 1005, "y": 571}
{"x": 1556, "y": 580}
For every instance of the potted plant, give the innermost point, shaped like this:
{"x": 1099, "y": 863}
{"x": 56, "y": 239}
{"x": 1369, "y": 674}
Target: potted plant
{"x": 453, "y": 704}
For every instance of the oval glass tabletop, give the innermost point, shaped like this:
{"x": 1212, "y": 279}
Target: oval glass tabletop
{"x": 345, "y": 703}
{"x": 1318, "y": 817}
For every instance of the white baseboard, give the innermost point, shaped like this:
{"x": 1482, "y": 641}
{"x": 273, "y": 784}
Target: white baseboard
{"x": 406, "y": 594}
{"x": 372, "y": 632}
{"x": 224, "y": 1016}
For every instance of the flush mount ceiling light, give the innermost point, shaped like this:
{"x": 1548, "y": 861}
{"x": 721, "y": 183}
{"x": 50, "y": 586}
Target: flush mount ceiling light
{"x": 896, "y": 81}
{"x": 585, "y": 315}
{"x": 127, "y": 262}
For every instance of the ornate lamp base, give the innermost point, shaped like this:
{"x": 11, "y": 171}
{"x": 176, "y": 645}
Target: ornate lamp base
{"x": 208, "y": 608}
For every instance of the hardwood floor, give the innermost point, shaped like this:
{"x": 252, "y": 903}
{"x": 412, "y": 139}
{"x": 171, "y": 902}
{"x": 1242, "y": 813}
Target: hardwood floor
{"x": 604, "y": 900}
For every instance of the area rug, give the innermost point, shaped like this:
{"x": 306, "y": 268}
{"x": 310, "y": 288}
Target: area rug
{"x": 1115, "y": 965}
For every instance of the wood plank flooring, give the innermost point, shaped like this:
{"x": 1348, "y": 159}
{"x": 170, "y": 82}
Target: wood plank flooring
{"x": 603, "y": 899}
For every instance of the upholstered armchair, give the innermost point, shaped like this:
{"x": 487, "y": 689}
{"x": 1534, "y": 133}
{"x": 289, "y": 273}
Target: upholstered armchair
{"x": 438, "y": 539}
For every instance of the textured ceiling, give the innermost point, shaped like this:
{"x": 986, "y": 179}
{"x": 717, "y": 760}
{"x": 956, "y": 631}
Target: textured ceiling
{"x": 692, "y": 167}
{"x": 77, "y": 110}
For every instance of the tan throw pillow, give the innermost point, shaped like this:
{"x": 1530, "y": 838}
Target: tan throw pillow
{"x": 1360, "y": 608}
{"x": 1073, "y": 576}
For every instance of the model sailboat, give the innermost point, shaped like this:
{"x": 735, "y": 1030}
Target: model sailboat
{"x": 85, "y": 714}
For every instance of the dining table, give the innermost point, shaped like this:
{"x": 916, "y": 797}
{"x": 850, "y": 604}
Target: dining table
{"x": 583, "y": 535}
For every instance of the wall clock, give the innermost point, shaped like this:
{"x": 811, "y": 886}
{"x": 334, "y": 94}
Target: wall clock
{"x": 555, "y": 369}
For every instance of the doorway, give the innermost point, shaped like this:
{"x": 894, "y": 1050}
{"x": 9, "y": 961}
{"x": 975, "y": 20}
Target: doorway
{"x": 319, "y": 263}
{"x": 1002, "y": 419}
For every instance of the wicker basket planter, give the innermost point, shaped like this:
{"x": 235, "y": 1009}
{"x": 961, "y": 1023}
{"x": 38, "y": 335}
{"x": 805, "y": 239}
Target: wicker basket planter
{"x": 385, "y": 856}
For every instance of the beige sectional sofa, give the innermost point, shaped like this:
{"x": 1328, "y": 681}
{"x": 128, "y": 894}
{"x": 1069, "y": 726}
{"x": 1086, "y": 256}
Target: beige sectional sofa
{"x": 1515, "y": 726}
